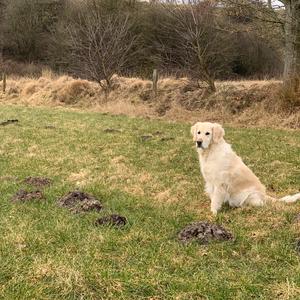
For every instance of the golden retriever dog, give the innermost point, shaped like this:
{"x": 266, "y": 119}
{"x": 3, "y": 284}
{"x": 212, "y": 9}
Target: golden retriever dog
{"x": 227, "y": 178}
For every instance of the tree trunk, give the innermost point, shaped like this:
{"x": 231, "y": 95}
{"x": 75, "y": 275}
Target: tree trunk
{"x": 270, "y": 4}
{"x": 4, "y": 82}
{"x": 154, "y": 82}
{"x": 212, "y": 86}
{"x": 1, "y": 49}
{"x": 1, "y": 55}
{"x": 292, "y": 41}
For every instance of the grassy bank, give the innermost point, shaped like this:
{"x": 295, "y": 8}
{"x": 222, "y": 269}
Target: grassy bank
{"x": 146, "y": 170}
{"x": 238, "y": 103}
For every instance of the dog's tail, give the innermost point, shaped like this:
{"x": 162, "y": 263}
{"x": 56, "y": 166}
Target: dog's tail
{"x": 290, "y": 198}
{"x": 286, "y": 199}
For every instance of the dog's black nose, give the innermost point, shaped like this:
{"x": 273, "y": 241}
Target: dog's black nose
{"x": 199, "y": 144}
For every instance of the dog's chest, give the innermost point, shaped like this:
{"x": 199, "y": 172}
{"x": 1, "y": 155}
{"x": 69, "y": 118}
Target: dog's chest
{"x": 212, "y": 168}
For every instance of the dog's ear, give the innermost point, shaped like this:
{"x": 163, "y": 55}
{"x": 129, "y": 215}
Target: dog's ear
{"x": 193, "y": 131}
{"x": 193, "y": 128}
{"x": 218, "y": 132}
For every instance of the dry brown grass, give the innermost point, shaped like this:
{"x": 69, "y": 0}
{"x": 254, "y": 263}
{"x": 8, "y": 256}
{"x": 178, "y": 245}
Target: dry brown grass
{"x": 14, "y": 68}
{"x": 289, "y": 95}
{"x": 242, "y": 103}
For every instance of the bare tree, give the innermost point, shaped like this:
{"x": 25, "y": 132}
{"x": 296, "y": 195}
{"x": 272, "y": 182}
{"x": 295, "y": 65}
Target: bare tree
{"x": 284, "y": 14}
{"x": 100, "y": 45}
{"x": 200, "y": 42}
{"x": 292, "y": 39}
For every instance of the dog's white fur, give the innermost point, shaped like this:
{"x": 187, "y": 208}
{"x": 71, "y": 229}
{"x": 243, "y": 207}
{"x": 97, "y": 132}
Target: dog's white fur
{"x": 227, "y": 178}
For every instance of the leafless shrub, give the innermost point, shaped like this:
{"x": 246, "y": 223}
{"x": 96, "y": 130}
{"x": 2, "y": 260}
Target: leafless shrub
{"x": 100, "y": 44}
{"x": 201, "y": 44}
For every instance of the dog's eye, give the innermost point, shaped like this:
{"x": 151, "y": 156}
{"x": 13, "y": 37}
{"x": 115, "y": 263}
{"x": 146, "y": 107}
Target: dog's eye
{"x": 207, "y": 133}
{"x": 199, "y": 132}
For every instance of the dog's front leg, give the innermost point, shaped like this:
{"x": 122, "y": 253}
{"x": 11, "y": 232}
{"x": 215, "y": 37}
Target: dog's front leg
{"x": 217, "y": 199}
{"x": 209, "y": 189}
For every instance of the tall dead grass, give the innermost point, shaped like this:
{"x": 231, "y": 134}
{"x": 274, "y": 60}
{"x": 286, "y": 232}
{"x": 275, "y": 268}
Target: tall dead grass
{"x": 20, "y": 69}
{"x": 242, "y": 103}
{"x": 289, "y": 95}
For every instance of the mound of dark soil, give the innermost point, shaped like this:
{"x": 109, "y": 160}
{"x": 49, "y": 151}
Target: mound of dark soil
{"x": 49, "y": 127}
{"x": 7, "y": 122}
{"x": 157, "y": 132}
{"x": 112, "y": 130}
{"x": 165, "y": 139}
{"x": 37, "y": 181}
{"x": 78, "y": 202}
{"x": 146, "y": 137}
{"x": 23, "y": 196}
{"x": 112, "y": 220}
{"x": 203, "y": 233}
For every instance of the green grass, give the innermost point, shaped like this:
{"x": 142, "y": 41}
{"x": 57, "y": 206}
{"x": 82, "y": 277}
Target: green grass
{"x": 48, "y": 253}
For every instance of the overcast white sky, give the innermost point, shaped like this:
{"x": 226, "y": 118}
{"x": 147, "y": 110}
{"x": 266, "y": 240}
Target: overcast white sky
{"x": 277, "y": 3}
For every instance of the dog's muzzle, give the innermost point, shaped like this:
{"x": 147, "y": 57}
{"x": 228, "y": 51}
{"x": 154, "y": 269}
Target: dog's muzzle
{"x": 199, "y": 144}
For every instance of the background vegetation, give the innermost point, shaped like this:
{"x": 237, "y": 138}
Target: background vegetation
{"x": 220, "y": 41}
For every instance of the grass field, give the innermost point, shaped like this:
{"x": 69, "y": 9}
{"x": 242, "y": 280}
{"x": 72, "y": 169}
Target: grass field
{"x": 48, "y": 253}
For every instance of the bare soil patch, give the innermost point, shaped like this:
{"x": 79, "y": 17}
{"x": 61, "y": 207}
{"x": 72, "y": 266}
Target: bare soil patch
{"x": 157, "y": 133}
{"x": 166, "y": 139}
{"x": 112, "y": 220}
{"x": 38, "y": 181}
{"x": 49, "y": 127}
{"x": 24, "y": 196}
{"x": 146, "y": 137}
{"x": 78, "y": 202}
{"x": 204, "y": 233}
{"x": 7, "y": 122}
{"x": 112, "y": 130}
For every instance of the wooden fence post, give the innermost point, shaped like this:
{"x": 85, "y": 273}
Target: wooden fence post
{"x": 4, "y": 82}
{"x": 154, "y": 81}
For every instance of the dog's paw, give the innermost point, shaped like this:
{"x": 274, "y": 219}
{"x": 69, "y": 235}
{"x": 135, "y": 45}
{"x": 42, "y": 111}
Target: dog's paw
{"x": 214, "y": 212}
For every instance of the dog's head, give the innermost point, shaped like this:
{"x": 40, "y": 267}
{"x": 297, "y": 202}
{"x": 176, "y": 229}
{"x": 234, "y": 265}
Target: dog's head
{"x": 205, "y": 134}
